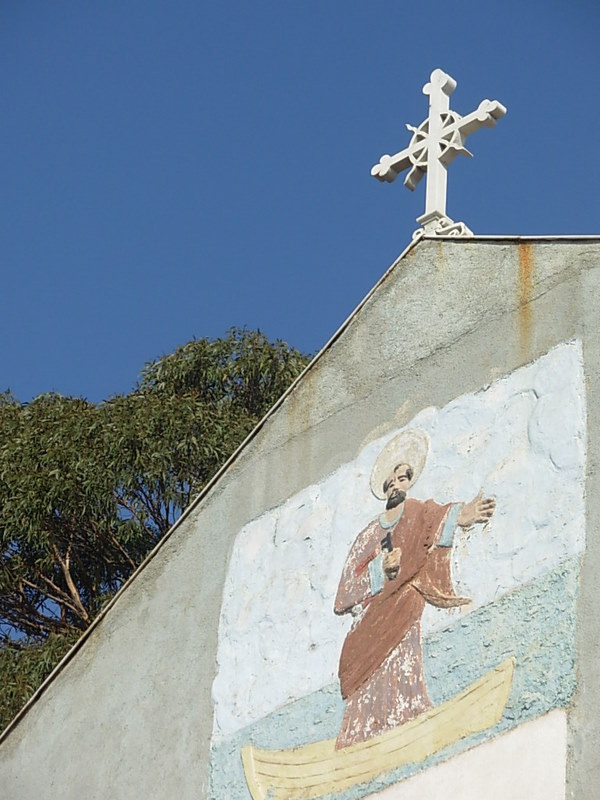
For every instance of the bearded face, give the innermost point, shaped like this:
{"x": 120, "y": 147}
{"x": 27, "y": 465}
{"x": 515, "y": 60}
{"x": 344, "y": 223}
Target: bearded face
{"x": 395, "y": 498}
{"x": 396, "y": 485}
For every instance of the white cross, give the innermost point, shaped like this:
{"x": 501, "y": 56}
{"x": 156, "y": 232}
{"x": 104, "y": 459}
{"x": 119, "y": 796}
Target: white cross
{"x": 434, "y": 145}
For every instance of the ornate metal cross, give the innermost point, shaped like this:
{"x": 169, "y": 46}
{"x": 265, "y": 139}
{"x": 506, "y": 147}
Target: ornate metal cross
{"x": 434, "y": 145}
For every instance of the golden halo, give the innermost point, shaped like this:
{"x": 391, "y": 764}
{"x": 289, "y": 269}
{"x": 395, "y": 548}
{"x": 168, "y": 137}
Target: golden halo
{"x": 409, "y": 447}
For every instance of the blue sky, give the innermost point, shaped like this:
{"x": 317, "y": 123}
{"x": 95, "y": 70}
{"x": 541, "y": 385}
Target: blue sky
{"x": 170, "y": 168}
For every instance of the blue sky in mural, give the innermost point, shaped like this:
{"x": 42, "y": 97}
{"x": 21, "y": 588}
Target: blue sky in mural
{"x": 169, "y": 169}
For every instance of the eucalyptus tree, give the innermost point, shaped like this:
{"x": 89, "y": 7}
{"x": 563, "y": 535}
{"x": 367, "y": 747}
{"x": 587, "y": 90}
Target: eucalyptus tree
{"x": 86, "y": 490}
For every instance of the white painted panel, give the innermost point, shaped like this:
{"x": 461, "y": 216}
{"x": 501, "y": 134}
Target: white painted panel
{"x": 529, "y": 763}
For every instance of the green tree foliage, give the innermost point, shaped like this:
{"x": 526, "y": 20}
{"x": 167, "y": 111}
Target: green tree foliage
{"x": 86, "y": 491}
{"x": 24, "y": 667}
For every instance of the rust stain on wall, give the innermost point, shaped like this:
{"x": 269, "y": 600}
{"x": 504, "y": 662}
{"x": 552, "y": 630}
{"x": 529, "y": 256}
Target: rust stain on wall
{"x": 525, "y": 296}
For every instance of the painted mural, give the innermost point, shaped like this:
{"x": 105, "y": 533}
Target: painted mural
{"x": 414, "y": 611}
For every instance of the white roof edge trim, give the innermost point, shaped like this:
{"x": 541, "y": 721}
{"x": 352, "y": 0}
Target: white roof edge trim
{"x": 515, "y": 237}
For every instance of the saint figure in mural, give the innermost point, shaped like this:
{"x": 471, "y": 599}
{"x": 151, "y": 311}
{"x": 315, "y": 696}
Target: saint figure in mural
{"x": 397, "y": 564}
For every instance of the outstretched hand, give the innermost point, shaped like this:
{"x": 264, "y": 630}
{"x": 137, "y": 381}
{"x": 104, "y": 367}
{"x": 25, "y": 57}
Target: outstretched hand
{"x": 480, "y": 509}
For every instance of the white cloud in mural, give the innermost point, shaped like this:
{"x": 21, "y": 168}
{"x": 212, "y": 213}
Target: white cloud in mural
{"x": 521, "y": 440}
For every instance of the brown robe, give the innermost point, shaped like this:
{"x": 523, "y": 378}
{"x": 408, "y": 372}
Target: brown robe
{"x": 381, "y": 669}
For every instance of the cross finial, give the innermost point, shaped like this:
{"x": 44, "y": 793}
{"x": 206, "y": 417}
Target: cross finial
{"x": 434, "y": 145}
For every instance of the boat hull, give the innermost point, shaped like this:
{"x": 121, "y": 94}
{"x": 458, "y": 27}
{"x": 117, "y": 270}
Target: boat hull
{"x": 317, "y": 769}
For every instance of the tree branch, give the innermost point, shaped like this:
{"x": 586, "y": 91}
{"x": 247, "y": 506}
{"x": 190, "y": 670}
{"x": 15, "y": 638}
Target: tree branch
{"x": 70, "y": 583}
{"x": 60, "y": 598}
{"x": 122, "y": 550}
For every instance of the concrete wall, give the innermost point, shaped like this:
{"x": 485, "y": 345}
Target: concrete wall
{"x": 130, "y": 714}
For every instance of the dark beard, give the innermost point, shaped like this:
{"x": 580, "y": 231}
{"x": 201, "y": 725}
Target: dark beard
{"x": 395, "y": 499}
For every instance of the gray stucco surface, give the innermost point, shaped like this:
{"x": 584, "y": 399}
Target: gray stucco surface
{"x": 132, "y": 706}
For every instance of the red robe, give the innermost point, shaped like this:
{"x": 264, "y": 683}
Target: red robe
{"x": 381, "y": 664}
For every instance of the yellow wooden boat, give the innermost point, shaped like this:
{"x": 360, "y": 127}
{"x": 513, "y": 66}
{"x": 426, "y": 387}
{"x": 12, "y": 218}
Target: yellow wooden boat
{"x": 317, "y": 769}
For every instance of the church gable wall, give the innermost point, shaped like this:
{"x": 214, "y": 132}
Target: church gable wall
{"x": 142, "y": 703}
